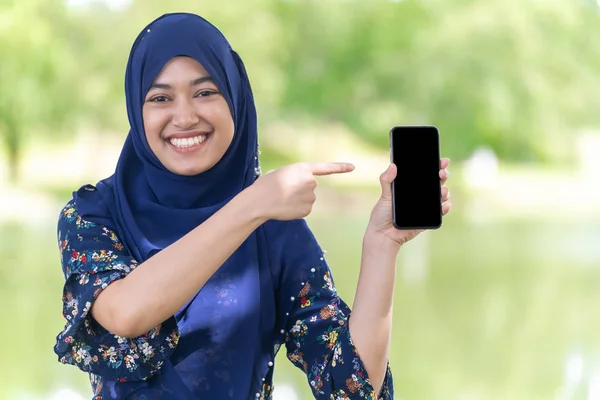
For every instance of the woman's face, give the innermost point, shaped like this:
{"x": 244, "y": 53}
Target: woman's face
{"x": 187, "y": 121}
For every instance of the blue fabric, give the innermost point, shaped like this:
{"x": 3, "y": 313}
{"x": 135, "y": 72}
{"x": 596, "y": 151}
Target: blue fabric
{"x": 150, "y": 207}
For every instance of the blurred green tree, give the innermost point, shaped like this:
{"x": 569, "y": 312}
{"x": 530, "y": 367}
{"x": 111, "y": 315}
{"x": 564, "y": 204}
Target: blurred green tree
{"x": 517, "y": 76}
{"x": 36, "y": 73}
{"x": 55, "y": 74}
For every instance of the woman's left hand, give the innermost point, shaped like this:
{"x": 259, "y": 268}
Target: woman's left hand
{"x": 381, "y": 216}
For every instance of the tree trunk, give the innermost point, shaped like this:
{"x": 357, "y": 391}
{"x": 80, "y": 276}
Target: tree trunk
{"x": 14, "y": 158}
{"x": 13, "y": 147}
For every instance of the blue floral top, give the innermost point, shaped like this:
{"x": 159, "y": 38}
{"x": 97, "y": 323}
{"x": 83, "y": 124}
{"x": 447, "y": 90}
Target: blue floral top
{"x": 315, "y": 328}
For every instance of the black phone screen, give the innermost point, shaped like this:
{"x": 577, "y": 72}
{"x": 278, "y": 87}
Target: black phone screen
{"x": 416, "y": 191}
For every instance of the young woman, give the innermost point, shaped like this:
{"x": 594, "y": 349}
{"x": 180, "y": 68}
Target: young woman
{"x": 187, "y": 269}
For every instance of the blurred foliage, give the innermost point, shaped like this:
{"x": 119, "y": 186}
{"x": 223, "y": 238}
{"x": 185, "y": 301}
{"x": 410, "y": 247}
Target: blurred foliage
{"x": 53, "y": 75}
{"x": 35, "y": 72}
{"x": 517, "y": 76}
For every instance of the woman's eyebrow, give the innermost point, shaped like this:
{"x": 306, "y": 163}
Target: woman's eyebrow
{"x": 194, "y": 82}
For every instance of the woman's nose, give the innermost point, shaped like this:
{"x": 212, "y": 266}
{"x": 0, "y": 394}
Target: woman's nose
{"x": 185, "y": 115}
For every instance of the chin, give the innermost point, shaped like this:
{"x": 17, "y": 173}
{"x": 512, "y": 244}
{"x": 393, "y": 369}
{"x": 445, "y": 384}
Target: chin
{"x": 188, "y": 170}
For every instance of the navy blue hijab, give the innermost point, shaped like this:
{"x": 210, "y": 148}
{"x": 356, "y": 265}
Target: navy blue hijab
{"x": 150, "y": 208}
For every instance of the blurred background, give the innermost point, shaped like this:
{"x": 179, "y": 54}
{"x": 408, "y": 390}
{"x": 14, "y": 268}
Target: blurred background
{"x": 501, "y": 303}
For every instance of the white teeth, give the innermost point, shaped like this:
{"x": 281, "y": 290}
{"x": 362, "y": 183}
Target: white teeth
{"x": 187, "y": 142}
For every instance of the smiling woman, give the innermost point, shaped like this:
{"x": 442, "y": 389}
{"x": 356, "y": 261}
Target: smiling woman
{"x": 187, "y": 270}
{"x": 187, "y": 121}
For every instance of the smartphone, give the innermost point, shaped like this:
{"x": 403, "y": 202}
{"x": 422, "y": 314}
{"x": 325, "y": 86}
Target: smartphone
{"x": 417, "y": 188}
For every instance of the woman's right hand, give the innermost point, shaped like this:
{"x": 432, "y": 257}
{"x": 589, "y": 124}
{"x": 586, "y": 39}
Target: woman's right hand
{"x": 288, "y": 193}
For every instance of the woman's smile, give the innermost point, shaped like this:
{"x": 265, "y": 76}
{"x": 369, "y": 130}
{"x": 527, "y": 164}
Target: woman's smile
{"x": 189, "y": 142}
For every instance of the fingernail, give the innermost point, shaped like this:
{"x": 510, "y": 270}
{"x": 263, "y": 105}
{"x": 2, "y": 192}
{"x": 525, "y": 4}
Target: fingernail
{"x": 447, "y": 174}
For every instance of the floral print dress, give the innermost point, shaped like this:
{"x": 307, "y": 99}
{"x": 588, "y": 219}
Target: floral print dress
{"x": 315, "y": 328}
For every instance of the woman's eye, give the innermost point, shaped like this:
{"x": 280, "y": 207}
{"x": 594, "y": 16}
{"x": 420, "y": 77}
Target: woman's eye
{"x": 159, "y": 99}
{"x": 206, "y": 93}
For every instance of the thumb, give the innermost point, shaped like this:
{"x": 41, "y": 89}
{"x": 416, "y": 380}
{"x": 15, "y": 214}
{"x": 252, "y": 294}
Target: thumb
{"x": 386, "y": 180}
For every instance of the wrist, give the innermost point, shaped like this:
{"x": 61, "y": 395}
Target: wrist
{"x": 379, "y": 242}
{"x": 250, "y": 201}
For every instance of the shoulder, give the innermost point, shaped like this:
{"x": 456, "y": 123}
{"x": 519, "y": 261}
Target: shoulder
{"x": 288, "y": 230}
{"x": 292, "y": 243}
{"x": 69, "y": 217}
{"x": 89, "y": 246}
{"x": 69, "y": 214}
{"x": 290, "y": 237}
{"x": 73, "y": 227}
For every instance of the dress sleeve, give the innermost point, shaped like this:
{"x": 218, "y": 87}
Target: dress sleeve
{"x": 92, "y": 257}
{"x": 318, "y": 342}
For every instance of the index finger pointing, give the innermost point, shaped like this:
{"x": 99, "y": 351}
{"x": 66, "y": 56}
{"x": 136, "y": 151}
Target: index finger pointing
{"x": 330, "y": 168}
